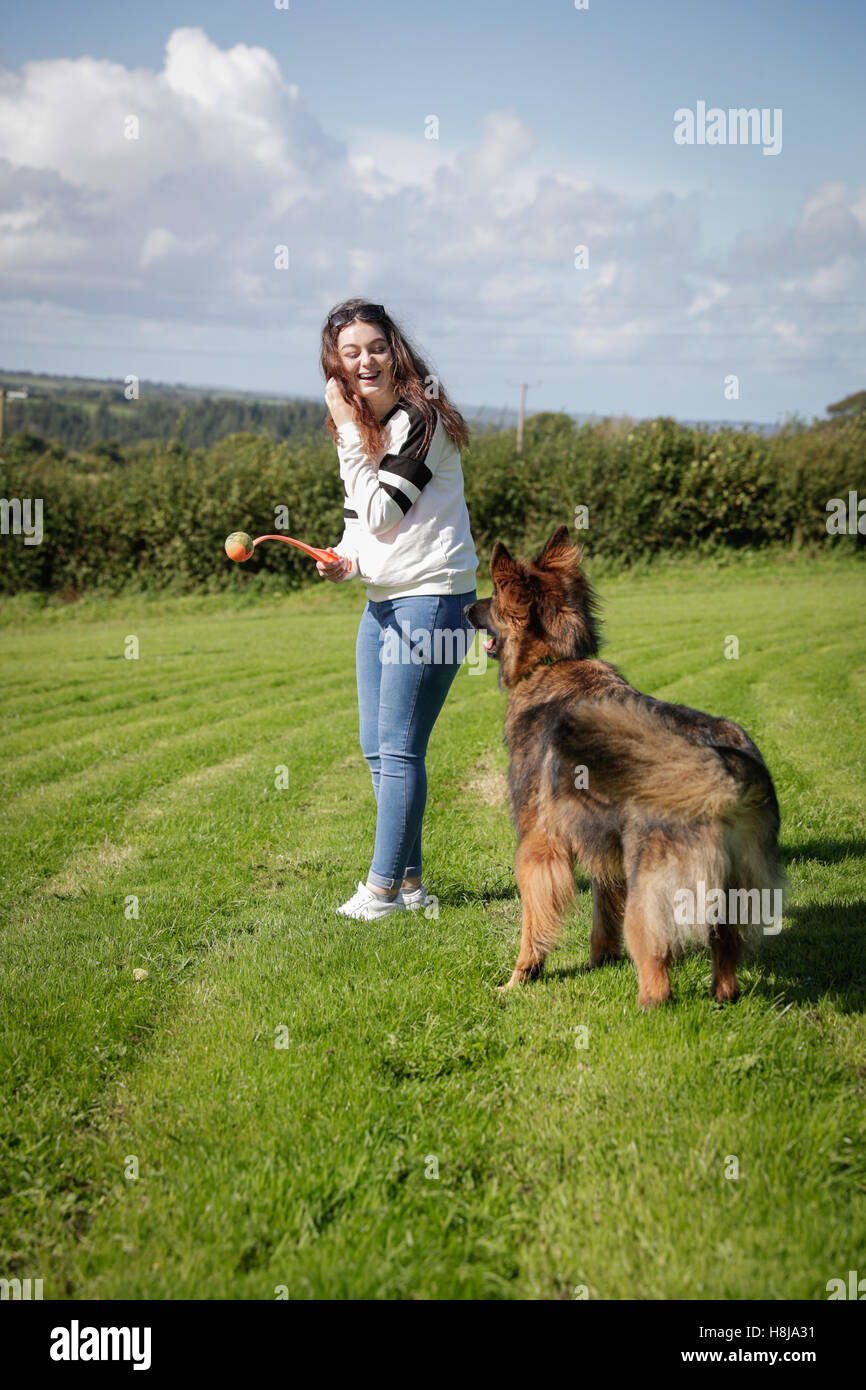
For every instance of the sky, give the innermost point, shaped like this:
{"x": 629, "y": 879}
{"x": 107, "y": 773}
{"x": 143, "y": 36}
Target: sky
{"x": 445, "y": 160}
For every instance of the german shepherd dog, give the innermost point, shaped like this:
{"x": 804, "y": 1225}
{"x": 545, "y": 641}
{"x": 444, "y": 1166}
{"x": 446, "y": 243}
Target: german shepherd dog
{"x": 651, "y": 798}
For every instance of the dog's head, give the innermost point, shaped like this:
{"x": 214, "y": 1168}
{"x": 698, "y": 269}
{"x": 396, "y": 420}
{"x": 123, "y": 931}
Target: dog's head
{"x": 546, "y": 608}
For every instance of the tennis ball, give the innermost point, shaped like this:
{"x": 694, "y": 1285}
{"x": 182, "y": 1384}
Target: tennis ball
{"x": 239, "y": 546}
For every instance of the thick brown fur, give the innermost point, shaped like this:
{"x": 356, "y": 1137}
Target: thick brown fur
{"x": 651, "y": 798}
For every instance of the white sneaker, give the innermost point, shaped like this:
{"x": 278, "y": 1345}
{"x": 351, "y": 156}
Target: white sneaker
{"x": 368, "y": 906}
{"x": 413, "y": 898}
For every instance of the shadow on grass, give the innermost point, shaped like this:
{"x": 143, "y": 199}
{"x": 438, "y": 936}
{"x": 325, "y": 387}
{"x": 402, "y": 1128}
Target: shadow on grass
{"x": 821, "y": 954}
{"x": 452, "y": 895}
{"x": 571, "y": 972}
{"x": 823, "y": 851}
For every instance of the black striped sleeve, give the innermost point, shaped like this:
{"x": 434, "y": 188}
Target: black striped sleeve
{"x": 404, "y": 474}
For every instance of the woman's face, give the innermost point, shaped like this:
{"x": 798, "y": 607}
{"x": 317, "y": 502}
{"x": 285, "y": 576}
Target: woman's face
{"x": 366, "y": 359}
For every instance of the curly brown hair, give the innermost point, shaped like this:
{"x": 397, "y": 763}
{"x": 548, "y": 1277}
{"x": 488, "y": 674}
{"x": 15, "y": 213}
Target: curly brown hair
{"x": 411, "y": 378}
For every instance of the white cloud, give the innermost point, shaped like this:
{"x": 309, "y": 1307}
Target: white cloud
{"x": 158, "y": 242}
{"x": 383, "y": 162}
{"x": 179, "y": 226}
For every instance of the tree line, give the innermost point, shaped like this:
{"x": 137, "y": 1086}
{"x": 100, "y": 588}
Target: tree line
{"x": 154, "y": 514}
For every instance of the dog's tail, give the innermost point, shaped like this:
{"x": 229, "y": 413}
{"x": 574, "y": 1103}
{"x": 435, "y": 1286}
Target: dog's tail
{"x": 751, "y": 842}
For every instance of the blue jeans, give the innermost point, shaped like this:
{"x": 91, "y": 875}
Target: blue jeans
{"x": 407, "y": 654}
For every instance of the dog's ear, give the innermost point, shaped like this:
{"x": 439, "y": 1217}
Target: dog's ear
{"x": 501, "y": 563}
{"x": 565, "y": 603}
{"x": 560, "y": 551}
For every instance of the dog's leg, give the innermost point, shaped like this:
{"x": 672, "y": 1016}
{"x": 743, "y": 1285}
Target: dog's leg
{"x": 654, "y": 985}
{"x": 608, "y": 906}
{"x": 545, "y": 877}
{"x": 726, "y": 949}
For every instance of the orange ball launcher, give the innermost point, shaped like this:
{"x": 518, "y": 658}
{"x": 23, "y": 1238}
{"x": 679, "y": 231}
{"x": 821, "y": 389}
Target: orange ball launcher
{"x": 239, "y": 547}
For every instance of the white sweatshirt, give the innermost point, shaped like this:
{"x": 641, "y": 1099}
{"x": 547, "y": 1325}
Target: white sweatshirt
{"x": 406, "y": 526}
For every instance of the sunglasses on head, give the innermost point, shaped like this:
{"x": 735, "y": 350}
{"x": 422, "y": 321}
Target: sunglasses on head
{"x": 367, "y": 312}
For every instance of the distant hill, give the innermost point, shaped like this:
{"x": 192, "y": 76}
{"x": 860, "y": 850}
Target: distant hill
{"x": 85, "y": 412}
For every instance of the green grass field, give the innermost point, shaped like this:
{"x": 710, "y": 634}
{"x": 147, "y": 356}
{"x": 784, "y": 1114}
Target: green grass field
{"x": 286, "y": 1084}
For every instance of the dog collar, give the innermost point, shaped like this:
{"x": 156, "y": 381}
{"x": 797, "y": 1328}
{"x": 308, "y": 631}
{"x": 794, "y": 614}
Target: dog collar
{"x": 549, "y": 660}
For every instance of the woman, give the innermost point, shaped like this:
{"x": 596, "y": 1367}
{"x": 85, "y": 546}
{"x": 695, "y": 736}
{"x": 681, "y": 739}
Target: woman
{"x": 406, "y": 534}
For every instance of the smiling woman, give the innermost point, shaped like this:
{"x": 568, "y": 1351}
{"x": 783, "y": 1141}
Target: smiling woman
{"x": 406, "y": 533}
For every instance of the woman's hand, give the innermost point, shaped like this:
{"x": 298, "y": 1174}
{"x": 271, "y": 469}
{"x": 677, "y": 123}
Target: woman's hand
{"x": 342, "y": 412}
{"x": 336, "y": 570}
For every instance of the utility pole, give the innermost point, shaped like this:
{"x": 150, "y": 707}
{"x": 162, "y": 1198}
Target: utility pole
{"x": 2, "y": 395}
{"x": 524, "y": 387}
